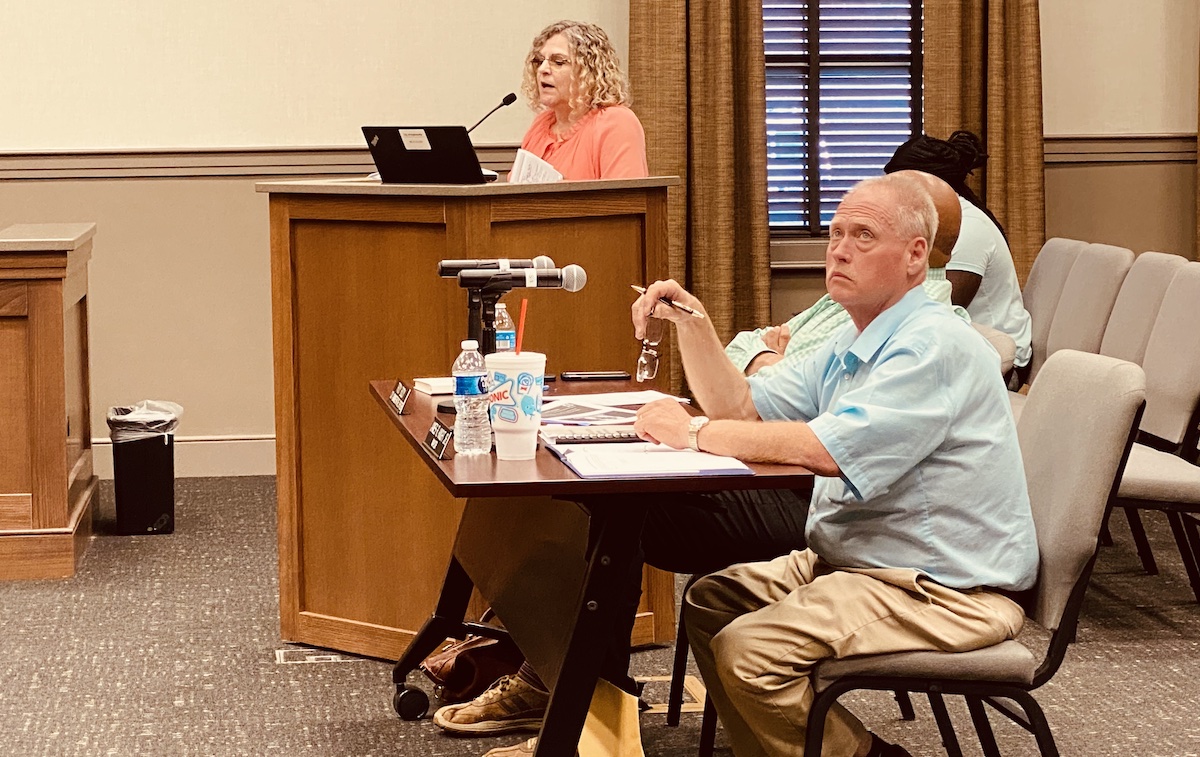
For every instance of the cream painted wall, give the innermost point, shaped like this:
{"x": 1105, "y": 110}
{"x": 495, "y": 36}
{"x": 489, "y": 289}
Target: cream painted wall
{"x": 180, "y": 307}
{"x": 95, "y": 74}
{"x": 1120, "y": 66}
{"x": 180, "y": 285}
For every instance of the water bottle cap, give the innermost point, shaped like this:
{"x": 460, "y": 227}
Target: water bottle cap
{"x": 501, "y": 306}
{"x": 470, "y": 344}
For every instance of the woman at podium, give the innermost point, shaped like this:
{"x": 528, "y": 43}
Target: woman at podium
{"x": 584, "y": 127}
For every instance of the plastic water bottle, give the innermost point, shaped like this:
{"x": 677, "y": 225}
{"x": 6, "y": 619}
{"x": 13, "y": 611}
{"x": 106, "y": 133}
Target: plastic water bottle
{"x": 472, "y": 429}
{"x": 506, "y": 330}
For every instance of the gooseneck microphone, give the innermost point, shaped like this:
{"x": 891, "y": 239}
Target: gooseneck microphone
{"x": 571, "y": 278}
{"x": 509, "y": 99}
{"x": 448, "y": 269}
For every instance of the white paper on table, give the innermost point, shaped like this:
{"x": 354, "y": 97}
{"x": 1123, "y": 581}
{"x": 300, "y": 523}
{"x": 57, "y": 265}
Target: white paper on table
{"x": 567, "y": 410}
{"x": 612, "y": 399}
{"x": 644, "y": 460}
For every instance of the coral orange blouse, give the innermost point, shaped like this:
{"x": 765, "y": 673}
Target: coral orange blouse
{"x": 607, "y": 143}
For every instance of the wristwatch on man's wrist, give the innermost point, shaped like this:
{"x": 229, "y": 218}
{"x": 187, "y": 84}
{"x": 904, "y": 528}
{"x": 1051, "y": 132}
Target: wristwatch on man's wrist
{"x": 694, "y": 427}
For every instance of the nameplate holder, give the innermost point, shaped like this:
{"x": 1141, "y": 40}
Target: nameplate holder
{"x": 399, "y": 397}
{"x": 438, "y": 438}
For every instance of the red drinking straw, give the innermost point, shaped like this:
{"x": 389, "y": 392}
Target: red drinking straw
{"x": 521, "y": 324}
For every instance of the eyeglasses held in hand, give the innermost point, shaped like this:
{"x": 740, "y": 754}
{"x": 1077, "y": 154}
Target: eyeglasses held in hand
{"x": 647, "y": 365}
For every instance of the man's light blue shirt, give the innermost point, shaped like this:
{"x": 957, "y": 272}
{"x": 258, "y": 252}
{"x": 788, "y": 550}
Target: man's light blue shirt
{"x": 914, "y": 412}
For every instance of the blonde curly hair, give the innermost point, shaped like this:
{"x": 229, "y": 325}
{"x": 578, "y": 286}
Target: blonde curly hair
{"x": 599, "y": 80}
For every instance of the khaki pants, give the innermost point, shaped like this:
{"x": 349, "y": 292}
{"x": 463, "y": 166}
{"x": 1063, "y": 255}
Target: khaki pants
{"x": 758, "y": 629}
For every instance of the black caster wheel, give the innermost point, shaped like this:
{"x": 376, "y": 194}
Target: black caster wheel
{"x": 410, "y": 704}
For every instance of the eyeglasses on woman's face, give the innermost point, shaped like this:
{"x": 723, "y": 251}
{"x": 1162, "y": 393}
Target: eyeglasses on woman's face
{"x": 557, "y": 62}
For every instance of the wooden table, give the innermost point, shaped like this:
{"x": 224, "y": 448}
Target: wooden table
{"x": 615, "y": 510}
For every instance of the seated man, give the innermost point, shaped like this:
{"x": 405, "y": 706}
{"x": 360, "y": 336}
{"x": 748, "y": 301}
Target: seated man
{"x": 981, "y": 267}
{"x": 919, "y": 525}
{"x": 685, "y": 534}
{"x": 773, "y": 349}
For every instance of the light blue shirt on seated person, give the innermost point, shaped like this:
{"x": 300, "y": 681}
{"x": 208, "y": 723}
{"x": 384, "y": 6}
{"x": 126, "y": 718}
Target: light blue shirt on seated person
{"x": 915, "y": 414}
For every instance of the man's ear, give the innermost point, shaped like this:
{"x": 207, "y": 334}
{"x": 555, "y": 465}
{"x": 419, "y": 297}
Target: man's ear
{"x": 917, "y": 255}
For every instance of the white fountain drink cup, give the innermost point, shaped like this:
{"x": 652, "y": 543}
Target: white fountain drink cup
{"x": 515, "y": 401}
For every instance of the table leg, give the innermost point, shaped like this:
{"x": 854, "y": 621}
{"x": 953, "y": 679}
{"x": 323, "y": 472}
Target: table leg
{"x": 616, "y": 536}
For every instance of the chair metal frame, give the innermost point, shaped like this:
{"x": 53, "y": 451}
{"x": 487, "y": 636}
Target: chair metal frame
{"x": 1182, "y": 516}
{"x": 978, "y": 693}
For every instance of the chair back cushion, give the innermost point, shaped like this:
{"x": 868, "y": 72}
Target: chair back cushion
{"x": 1087, "y": 298}
{"x": 1043, "y": 288}
{"x": 1073, "y": 433}
{"x": 1137, "y": 305}
{"x": 1172, "y": 360}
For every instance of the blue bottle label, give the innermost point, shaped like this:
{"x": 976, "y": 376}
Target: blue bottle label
{"x": 470, "y": 386}
{"x": 506, "y": 341}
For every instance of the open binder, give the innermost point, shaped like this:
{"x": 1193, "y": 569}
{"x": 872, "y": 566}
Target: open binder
{"x": 642, "y": 460}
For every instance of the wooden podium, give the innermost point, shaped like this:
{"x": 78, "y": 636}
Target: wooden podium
{"x": 46, "y": 482}
{"x": 365, "y": 530}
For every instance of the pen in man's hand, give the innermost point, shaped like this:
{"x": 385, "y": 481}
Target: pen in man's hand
{"x": 669, "y": 301}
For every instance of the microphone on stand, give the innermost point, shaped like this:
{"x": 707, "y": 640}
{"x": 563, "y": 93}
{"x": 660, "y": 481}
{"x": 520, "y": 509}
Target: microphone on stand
{"x": 571, "y": 278}
{"x": 448, "y": 269}
{"x": 509, "y": 99}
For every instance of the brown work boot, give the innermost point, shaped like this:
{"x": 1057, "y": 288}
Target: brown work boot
{"x": 509, "y": 704}
{"x": 524, "y": 749}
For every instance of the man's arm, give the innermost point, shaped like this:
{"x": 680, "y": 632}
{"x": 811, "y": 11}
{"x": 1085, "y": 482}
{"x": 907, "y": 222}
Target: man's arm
{"x": 762, "y": 360}
{"x": 751, "y": 351}
{"x": 965, "y": 286}
{"x": 718, "y": 385}
{"x": 786, "y": 442}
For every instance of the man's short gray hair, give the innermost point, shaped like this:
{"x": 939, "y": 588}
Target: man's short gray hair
{"x": 913, "y": 213}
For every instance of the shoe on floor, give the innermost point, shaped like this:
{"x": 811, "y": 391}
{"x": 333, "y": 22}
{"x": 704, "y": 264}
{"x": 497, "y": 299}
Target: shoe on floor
{"x": 524, "y": 749}
{"x": 509, "y": 704}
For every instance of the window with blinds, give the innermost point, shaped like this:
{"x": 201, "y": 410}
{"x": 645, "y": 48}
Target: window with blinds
{"x": 843, "y": 92}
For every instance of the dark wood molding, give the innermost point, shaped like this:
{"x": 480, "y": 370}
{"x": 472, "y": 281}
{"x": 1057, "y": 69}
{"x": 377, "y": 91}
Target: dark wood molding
{"x": 295, "y": 162}
{"x": 1121, "y": 148}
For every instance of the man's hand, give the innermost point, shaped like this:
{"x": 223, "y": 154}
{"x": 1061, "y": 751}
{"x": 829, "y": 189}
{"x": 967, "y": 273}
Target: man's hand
{"x": 664, "y": 421}
{"x": 777, "y": 337}
{"x": 648, "y": 305}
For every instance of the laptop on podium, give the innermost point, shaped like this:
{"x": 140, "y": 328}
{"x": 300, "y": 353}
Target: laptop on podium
{"x": 424, "y": 154}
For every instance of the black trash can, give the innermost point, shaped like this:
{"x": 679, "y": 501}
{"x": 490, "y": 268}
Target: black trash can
{"x": 144, "y": 466}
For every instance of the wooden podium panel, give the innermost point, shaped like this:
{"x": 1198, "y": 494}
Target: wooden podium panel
{"x": 47, "y": 485}
{"x": 365, "y": 530}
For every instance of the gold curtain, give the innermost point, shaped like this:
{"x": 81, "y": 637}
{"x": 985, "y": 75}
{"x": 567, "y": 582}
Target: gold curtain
{"x": 698, "y": 76}
{"x": 983, "y": 72}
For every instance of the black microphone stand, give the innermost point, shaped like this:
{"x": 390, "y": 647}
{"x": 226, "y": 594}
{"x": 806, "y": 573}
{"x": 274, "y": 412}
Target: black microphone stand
{"x": 481, "y": 313}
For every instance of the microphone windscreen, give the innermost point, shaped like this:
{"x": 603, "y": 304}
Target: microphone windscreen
{"x": 573, "y": 278}
{"x": 510, "y": 98}
{"x": 543, "y": 261}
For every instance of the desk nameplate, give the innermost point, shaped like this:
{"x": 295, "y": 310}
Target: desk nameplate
{"x": 438, "y": 438}
{"x": 399, "y": 396}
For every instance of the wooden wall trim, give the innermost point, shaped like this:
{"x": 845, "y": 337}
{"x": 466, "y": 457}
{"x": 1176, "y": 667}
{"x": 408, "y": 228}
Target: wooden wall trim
{"x": 1123, "y": 148}
{"x": 258, "y": 163}
{"x": 293, "y": 162}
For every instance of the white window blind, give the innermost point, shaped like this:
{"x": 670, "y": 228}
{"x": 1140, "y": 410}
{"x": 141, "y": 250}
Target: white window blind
{"x": 864, "y": 58}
